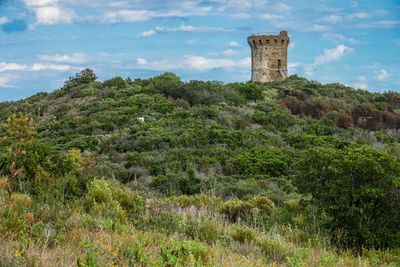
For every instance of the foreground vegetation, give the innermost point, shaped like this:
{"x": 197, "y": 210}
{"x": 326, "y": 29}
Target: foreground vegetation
{"x": 158, "y": 172}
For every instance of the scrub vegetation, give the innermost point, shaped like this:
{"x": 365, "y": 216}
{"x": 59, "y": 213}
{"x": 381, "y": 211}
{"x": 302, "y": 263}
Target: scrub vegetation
{"x": 160, "y": 172}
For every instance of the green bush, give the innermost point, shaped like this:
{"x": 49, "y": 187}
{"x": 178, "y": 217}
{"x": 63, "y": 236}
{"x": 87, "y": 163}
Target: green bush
{"x": 251, "y": 91}
{"x": 132, "y": 202}
{"x": 359, "y": 188}
{"x": 185, "y": 253}
{"x": 236, "y": 208}
{"x": 263, "y": 204}
{"x": 243, "y": 234}
{"x": 101, "y": 202}
{"x": 204, "y": 229}
{"x": 117, "y": 82}
{"x": 271, "y": 161}
{"x": 275, "y": 249}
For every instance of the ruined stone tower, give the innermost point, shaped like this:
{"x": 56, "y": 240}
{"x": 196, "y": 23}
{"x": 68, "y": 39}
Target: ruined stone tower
{"x": 269, "y": 57}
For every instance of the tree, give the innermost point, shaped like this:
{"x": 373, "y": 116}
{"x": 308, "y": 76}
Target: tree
{"x": 84, "y": 77}
{"x": 19, "y": 132}
{"x": 251, "y": 91}
{"x": 117, "y": 82}
{"x": 359, "y": 189}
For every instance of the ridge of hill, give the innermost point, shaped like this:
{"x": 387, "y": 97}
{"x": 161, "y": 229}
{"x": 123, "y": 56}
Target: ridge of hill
{"x": 160, "y": 172}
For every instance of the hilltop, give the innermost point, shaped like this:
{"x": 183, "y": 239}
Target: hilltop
{"x": 160, "y": 172}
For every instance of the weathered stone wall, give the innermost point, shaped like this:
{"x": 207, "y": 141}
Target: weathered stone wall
{"x": 268, "y": 57}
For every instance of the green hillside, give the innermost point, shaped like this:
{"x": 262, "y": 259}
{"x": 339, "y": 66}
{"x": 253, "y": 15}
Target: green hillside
{"x": 160, "y": 172}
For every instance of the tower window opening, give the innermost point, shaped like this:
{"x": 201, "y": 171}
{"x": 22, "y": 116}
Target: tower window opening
{"x": 254, "y": 43}
{"x": 279, "y": 64}
{"x": 260, "y": 42}
{"x": 276, "y": 41}
{"x": 283, "y": 42}
{"x": 267, "y": 42}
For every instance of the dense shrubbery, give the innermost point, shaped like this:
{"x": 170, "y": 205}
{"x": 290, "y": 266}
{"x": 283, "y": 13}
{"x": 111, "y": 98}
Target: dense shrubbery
{"x": 359, "y": 188}
{"x": 200, "y": 173}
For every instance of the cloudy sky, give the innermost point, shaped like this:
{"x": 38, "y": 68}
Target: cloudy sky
{"x": 43, "y": 42}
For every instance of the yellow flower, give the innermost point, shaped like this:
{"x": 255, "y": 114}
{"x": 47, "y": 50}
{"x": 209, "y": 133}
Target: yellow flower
{"x": 17, "y": 254}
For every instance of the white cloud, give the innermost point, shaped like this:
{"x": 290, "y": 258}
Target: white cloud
{"x": 3, "y": 20}
{"x": 359, "y": 15}
{"x": 197, "y": 63}
{"x": 50, "y": 15}
{"x": 380, "y": 24}
{"x": 332, "y": 19}
{"x": 382, "y": 75}
{"x": 75, "y": 58}
{"x": 190, "y": 28}
{"x": 12, "y": 67}
{"x": 225, "y": 4}
{"x": 126, "y": 15}
{"x": 234, "y": 44}
{"x": 202, "y": 64}
{"x": 361, "y": 83}
{"x": 50, "y": 12}
{"x": 48, "y": 66}
{"x": 332, "y": 54}
{"x": 293, "y": 66}
{"x": 40, "y": 2}
{"x": 241, "y": 16}
{"x": 270, "y": 17}
{"x": 182, "y": 28}
{"x": 316, "y": 28}
{"x": 339, "y": 37}
{"x": 329, "y": 55}
{"x": 148, "y": 33}
{"x": 141, "y": 61}
{"x": 5, "y": 80}
{"x": 229, "y": 52}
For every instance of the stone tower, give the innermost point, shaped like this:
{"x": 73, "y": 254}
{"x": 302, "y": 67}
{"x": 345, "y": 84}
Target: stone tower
{"x": 269, "y": 57}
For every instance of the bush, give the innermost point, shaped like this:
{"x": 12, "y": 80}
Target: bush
{"x": 3, "y": 183}
{"x": 185, "y": 253}
{"x": 344, "y": 121}
{"x": 271, "y": 161}
{"x": 263, "y": 204}
{"x": 236, "y": 208}
{"x": 101, "y": 202}
{"x": 275, "y": 249}
{"x": 20, "y": 202}
{"x": 132, "y": 202}
{"x": 251, "y": 91}
{"x": 117, "y": 82}
{"x": 279, "y": 119}
{"x": 359, "y": 188}
{"x": 204, "y": 229}
{"x": 177, "y": 184}
{"x": 243, "y": 234}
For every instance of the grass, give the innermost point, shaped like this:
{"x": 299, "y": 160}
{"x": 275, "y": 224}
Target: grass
{"x": 172, "y": 234}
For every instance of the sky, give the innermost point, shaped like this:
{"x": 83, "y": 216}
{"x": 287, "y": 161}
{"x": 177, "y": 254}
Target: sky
{"x": 43, "y": 42}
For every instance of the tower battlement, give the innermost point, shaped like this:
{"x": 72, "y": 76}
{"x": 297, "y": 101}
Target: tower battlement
{"x": 269, "y": 56}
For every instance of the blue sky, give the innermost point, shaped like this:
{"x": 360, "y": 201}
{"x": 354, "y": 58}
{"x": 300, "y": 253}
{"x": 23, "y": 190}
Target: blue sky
{"x": 43, "y": 42}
